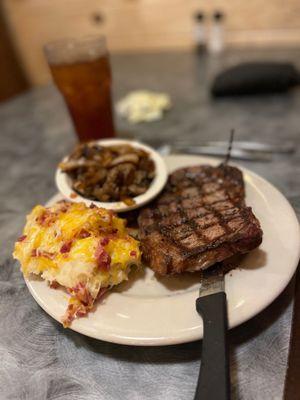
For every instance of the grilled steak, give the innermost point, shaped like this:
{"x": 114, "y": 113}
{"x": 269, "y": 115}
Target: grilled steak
{"x": 199, "y": 219}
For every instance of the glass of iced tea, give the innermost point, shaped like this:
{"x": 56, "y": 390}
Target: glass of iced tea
{"x": 81, "y": 71}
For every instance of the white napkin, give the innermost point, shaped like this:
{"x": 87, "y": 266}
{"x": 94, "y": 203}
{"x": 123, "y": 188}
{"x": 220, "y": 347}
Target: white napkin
{"x": 143, "y": 106}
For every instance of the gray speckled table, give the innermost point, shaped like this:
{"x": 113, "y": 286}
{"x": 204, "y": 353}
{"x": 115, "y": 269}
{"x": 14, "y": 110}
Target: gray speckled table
{"x": 39, "y": 359}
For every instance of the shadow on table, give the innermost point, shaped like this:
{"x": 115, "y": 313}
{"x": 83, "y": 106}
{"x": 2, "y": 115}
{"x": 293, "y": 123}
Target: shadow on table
{"x": 140, "y": 354}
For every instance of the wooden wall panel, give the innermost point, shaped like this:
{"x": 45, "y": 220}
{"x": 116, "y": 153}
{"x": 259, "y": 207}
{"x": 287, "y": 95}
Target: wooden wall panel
{"x": 13, "y": 80}
{"x": 144, "y": 24}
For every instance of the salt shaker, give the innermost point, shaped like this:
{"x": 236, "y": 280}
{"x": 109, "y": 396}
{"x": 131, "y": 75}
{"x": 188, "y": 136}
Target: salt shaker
{"x": 199, "y": 32}
{"x": 216, "y": 37}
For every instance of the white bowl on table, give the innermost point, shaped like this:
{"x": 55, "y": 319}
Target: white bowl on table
{"x": 64, "y": 182}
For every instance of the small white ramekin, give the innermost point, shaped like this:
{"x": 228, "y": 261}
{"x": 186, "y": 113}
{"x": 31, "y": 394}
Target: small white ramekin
{"x": 64, "y": 183}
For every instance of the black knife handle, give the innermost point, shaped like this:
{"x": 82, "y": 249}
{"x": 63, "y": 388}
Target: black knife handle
{"x": 214, "y": 377}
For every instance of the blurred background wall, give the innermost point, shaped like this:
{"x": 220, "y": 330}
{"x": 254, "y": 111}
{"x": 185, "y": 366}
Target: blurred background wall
{"x": 141, "y": 25}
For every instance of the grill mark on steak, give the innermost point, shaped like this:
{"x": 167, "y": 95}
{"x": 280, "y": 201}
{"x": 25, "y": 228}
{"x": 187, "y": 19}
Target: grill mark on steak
{"x": 198, "y": 220}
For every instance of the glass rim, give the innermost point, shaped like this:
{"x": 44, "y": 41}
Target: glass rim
{"x": 69, "y": 50}
{"x": 78, "y": 41}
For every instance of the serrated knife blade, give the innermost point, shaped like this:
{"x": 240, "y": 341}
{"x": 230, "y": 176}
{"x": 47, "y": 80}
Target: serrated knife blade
{"x": 212, "y": 282}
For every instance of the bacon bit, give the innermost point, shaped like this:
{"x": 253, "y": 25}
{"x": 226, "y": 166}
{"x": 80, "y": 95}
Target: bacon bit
{"x": 133, "y": 253}
{"x": 93, "y": 206}
{"x": 66, "y": 247}
{"x": 104, "y": 241}
{"x": 79, "y": 309}
{"x": 114, "y": 231}
{"x": 21, "y": 238}
{"x": 54, "y": 285}
{"x": 102, "y": 257}
{"x": 73, "y": 311}
{"x": 81, "y": 313}
{"x": 83, "y": 234}
{"x": 64, "y": 205}
{"x": 46, "y": 218}
{"x": 42, "y": 253}
{"x": 46, "y": 254}
{"x": 81, "y": 293}
{"x": 41, "y": 218}
{"x": 75, "y": 289}
{"x": 73, "y": 195}
{"x": 102, "y": 292}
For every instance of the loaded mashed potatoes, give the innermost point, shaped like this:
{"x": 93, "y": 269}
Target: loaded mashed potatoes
{"x": 86, "y": 250}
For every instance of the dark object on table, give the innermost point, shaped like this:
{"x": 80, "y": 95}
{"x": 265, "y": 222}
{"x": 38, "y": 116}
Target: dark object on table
{"x": 255, "y": 78}
{"x": 200, "y": 219}
{"x": 214, "y": 377}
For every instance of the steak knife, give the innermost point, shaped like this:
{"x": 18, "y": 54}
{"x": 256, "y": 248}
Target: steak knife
{"x": 214, "y": 376}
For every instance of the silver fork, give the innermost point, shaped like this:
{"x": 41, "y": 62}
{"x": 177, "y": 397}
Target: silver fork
{"x": 249, "y": 151}
{"x": 237, "y": 154}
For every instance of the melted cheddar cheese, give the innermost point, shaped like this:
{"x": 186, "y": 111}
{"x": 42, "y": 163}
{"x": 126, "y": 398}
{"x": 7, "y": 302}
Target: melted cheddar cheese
{"x": 84, "y": 249}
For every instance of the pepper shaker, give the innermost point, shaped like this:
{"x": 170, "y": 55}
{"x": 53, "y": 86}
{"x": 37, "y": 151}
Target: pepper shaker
{"x": 199, "y": 32}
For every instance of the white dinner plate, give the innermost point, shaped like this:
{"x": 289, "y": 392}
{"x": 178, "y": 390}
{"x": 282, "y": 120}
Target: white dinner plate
{"x": 150, "y": 311}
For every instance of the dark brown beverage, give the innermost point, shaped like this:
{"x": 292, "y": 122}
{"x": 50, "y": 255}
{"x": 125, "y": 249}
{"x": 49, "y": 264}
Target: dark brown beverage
{"x": 82, "y": 73}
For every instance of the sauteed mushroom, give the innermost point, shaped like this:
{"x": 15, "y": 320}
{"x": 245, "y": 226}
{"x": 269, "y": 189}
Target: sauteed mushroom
{"x": 109, "y": 173}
